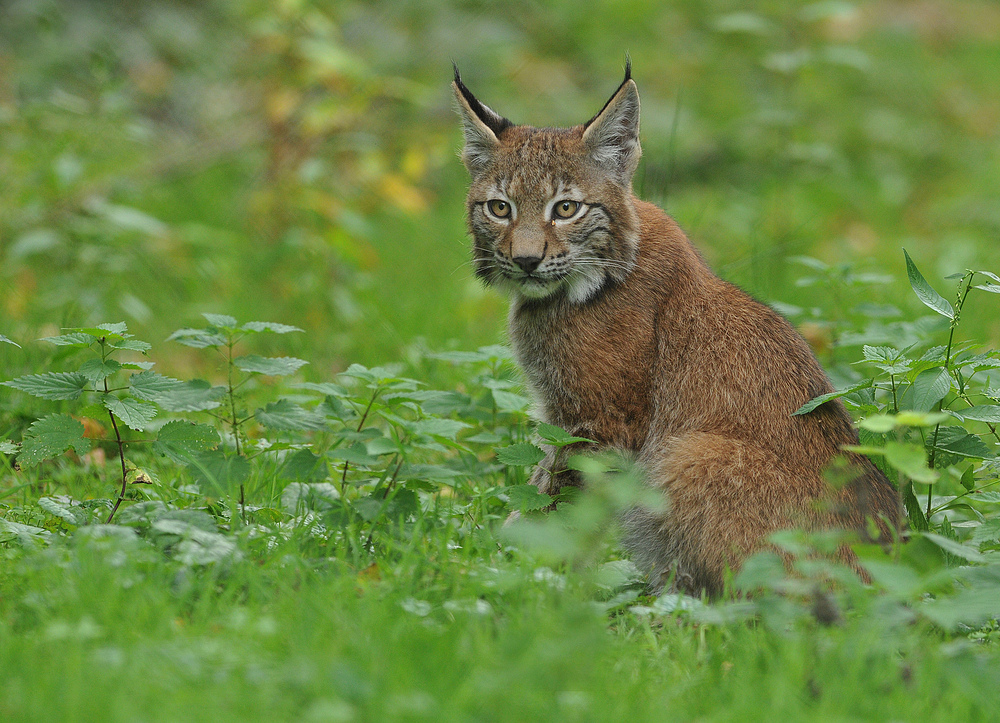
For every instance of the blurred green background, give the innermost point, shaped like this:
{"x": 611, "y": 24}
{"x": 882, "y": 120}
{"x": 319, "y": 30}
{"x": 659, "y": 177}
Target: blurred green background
{"x": 296, "y": 161}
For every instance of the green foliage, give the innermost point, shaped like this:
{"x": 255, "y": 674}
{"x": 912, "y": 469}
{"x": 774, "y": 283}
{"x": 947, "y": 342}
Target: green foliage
{"x": 332, "y": 549}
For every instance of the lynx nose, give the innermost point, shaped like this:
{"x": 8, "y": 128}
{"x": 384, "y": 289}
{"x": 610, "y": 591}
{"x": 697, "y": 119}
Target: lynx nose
{"x": 528, "y": 263}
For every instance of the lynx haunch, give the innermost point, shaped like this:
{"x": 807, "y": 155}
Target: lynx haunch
{"x": 627, "y": 338}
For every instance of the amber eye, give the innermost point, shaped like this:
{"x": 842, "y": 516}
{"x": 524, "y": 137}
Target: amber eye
{"x": 566, "y": 209}
{"x": 500, "y": 209}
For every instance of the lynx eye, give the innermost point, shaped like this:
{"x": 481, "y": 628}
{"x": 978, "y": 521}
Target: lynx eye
{"x": 566, "y": 209}
{"x": 500, "y": 209}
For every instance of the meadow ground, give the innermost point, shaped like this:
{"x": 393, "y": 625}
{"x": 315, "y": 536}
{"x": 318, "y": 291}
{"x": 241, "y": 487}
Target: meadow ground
{"x": 322, "y": 541}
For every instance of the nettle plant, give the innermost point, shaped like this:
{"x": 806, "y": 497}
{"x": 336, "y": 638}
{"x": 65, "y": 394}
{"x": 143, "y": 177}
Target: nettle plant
{"x": 929, "y": 418}
{"x": 131, "y": 396}
{"x": 347, "y": 459}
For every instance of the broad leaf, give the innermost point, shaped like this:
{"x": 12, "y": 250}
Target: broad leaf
{"x": 196, "y": 395}
{"x": 219, "y": 474}
{"x": 270, "y": 366}
{"x": 927, "y": 295}
{"x": 134, "y": 413}
{"x": 97, "y": 370}
{"x": 221, "y": 320}
{"x": 957, "y": 442}
{"x": 980, "y": 413}
{"x": 509, "y": 402}
{"x": 526, "y": 498}
{"x": 51, "y": 385}
{"x": 911, "y": 461}
{"x": 258, "y": 326}
{"x": 288, "y": 416}
{"x": 929, "y": 388}
{"x": 8, "y": 447}
{"x": 76, "y": 339}
{"x": 558, "y": 437}
{"x": 824, "y": 398}
{"x": 150, "y": 386}
{"x": 197, "y": 338}
{"x": 436, "y": 427}
{"x": 523, "y": 454}
{"x": 181, "y": 440}
{"x": 51, "y": 436}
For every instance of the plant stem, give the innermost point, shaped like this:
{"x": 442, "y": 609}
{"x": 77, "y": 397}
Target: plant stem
{"x": 947, "y": 365}
{"x": 361, "y": 425}
{"x": 121, "y": 456}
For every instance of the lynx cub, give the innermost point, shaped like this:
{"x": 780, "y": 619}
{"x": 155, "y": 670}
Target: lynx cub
{"x": 627, "y": 338}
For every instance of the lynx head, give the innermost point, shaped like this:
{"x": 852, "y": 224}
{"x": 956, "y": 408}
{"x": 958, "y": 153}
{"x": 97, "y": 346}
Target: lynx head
{"x": 550, "y": 209}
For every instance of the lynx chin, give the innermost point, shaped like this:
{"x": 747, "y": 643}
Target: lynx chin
{"x": 627, "y": 338}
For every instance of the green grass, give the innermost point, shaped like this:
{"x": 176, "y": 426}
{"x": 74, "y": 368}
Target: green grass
{"x": 297, "y": 163}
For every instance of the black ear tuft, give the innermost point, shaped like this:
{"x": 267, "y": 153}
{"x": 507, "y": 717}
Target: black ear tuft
{"x": 628, "y": 77}
{"x": 493, "y": 120}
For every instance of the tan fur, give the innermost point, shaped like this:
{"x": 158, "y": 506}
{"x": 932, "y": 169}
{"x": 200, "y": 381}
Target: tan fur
{"x": 627, "y": 338}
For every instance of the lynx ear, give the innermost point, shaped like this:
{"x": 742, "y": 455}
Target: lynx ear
{"x": 482, "y": 126}
{"x": 612, "y": 136}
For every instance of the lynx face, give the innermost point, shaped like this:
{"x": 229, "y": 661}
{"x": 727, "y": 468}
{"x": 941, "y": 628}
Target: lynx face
{"x": 549, "y": 209}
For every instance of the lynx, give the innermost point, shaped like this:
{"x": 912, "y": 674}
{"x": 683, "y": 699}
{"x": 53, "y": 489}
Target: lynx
{"x": 627, "y": 338}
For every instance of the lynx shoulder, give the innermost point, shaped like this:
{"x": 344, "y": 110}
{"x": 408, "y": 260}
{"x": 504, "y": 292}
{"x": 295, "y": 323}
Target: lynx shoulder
{"x": 627, "y": 338}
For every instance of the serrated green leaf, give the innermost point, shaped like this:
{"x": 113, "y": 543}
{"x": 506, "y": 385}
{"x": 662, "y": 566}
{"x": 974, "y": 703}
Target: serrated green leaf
{"x": 51, "y": 436}
{"x": 824, "y": 398}
{"x": 509, "y": 402}
{"x": 133, "y": 413}
{"x": 913, "y": 510}
{"x": 436, "y": 427}
{"x": 526, "y": 498}
{"x": 222, "y": 321}
{"x": 882, "y": 423}
{"x": 7, "y": 340}
{"x": 357, "y": 453}
{"x": 121, "y": 328}
{"x": 929, "y": 388}
{"x": 325, "y": 388}
{"x": 181, "y": 440}
{"x": 927, "y": 295}
{"x": 259, "y": 326}
{"x": 197, "y": 338}
{"x": 911, "y": 461}
{"x": 25, "y": 534}
{"x": 131, "y": 345}
{"x": 51, "y": 385}
{"x": 269, "y": 366}
{"x": 97, "y": 370}
{"x": 953, "y": 547}
{"x": 219, "y": 474}
{"x": 959, "y": 442}
{"x": 74, "y": 515}
{"x": 75, "y": 339}
{"x": 556, "y": 436}
{"x": 8, "y": 447}
{"x": 285, "y": 415}
{"x": 523, "y": 454}
{"x": 981, "y": 413}
{"x": 149, "y": 386}
{"x": 196, "y": 395}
